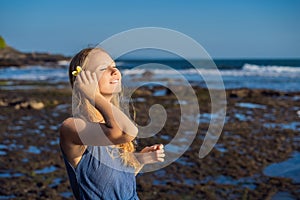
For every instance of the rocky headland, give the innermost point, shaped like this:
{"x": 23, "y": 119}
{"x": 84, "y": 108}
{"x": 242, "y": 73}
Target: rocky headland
{"x": 12, "y": 57}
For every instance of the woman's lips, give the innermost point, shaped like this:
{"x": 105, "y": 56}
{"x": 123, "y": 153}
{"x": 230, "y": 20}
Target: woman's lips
{"x": 114, "y": 81}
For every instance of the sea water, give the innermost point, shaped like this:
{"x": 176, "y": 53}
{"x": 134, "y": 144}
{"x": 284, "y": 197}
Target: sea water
{"x": 283, "y": 75}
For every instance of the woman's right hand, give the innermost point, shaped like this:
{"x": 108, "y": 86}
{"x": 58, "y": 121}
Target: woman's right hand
{"x": 152, "y": 154}
{"x": 87, "y": 83}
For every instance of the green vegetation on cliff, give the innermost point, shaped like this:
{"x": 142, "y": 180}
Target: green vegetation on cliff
{"x": 2, "y": 43}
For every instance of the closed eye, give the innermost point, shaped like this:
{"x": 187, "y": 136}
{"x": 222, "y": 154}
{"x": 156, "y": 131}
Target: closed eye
{"x": 104, "y": 68}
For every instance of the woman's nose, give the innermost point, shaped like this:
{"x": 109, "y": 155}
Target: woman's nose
{"x": 113, "y": 70}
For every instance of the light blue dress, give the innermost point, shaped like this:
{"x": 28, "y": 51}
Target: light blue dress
{"x": 100, "y": 174}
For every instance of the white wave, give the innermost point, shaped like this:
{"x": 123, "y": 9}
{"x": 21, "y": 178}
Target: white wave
{"x": 247, "y": 70}
{"x": 33, "y": 73}
{"x": 63, "y": 62}
{"x": 272, "y": 69}
{"x": 264, "y": 71}
{"x": 157, "y": 71}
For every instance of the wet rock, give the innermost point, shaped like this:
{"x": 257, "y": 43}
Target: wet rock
{"x": 141, "y": 92}
{"x": 20, "y": 103}
{"x": 36, "y": 105}
{"x": 239, "y": 93}
{"x": 250, "y": 147}
{"x": 270, "y": 93}
{"x": 147, "y": 74}
{"x": 17, "y": 103}
{"x": 3, "y": 103}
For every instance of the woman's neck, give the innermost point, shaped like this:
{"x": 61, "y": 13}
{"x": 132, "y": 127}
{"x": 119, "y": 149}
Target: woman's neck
{"x": 108, "y": 97}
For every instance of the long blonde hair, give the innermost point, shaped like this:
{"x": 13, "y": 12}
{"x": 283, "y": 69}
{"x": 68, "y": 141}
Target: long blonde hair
{"x": 84, "y": 109}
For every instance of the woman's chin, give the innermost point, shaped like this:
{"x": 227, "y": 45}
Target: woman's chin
{"x": 110, "y": 93}
{"x": 112, "y": 90}
{"x": 118, "y": 89}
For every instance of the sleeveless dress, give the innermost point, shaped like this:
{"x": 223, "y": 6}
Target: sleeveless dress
{"x": 100, "y": 174}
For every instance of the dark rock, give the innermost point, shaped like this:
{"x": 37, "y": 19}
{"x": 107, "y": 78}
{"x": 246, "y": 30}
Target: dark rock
{"x": 147, "y": 74}
{"x": 241, "y": 93}
{"x": 236, "y": 173}
{"x": 19, "y": 103}
{"x": 36, "y": 105}
{"x": 270, "y": 93}
{"x": 12, "y": 57}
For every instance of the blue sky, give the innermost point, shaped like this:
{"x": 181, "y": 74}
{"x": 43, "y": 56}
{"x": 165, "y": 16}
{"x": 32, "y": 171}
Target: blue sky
{"x": 226, "y": 29}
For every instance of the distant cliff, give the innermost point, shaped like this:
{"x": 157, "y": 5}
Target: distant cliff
{"x": 12, "y": 57}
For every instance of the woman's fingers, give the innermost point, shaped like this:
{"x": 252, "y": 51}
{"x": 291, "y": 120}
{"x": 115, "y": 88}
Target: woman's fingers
{"x": 94, "y": 76}
{"x": 91, "y": 77}
{"x": 146, "y": 149}
{"x": 83, "y": 77}
{"x": 87, "y": 83}
{"x": 88, "y": 76}
{"x": 78, "y": 79}
{"x": 158, "y": 155}
{"x": 157, "y": 146}
{"x": 152, "y": 148}
{"x": 160, "y": 151}
{"x": 154, "y": 153}
{"x": 153, "y": 157}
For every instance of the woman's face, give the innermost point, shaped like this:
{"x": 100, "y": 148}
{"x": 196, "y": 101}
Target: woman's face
{"x": 109, "y": 77}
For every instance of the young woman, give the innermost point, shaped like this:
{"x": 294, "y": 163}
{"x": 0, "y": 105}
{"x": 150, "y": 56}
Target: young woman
{"x": 96, "y": 142}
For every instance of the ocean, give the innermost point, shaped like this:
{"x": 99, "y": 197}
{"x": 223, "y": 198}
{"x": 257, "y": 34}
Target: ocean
{"x": 276, "y": 74}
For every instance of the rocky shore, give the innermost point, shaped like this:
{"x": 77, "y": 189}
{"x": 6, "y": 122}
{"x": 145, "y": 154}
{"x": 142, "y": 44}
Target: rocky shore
{"x": 261, "y": 129}
{"x": 12, "y": 57}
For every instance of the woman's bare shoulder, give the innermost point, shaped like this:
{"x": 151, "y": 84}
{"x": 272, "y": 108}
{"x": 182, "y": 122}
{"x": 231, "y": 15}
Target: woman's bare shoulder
{"x": 71, "y": 123}
{"x": 67, "y": 125}
{"x": 70, "y": 141}
{"x": 68, "y": 131}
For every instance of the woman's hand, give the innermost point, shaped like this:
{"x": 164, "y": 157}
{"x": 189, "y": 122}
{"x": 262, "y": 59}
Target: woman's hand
{"x": 87, "y": 83}
{"x": 152, "y": 154}
{"x": 118, "y": 127}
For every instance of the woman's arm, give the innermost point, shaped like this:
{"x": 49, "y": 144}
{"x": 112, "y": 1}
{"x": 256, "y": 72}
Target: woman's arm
{"x": 115, "y": 119}
{"x": 77, "y": 131}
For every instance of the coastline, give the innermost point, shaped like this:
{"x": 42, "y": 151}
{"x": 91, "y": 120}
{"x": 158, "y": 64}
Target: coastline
{"x": 261, "y": 129}
{"x": 12, "y": 57}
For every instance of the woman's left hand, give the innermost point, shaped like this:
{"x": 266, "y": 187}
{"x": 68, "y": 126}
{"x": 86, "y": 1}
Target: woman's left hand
{"x": 87, "y": 83}
{"x": 152, "y": 154}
